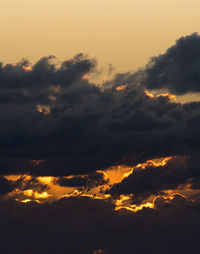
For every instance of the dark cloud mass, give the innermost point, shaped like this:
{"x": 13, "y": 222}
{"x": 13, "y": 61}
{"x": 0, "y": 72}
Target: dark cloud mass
{"x": 55, "y": 121}
{"x": 51, "y": 113}
{"x": 91, "y": 180}
{"x": 178, "y": 69}
{"x": 154, "y": 180}
{"x": 5, "y": 186}
{"x": 82, "y": 225}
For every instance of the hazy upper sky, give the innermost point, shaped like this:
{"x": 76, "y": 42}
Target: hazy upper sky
{"x": 125, "y": 33}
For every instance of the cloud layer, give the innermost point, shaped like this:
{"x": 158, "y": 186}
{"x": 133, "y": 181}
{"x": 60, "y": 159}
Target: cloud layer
{"x": 178, "y": 69}
{"x": 53, "y": 115}
{"x": 55, "y": 121}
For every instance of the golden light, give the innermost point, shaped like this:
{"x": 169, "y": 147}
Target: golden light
{"x": 35, "y": 194}
{"x": 124, "y": 202}
{"x": 25, "y": 200}
{"x": 169, "y": 95}
{"x": 13, "y": 177}
{"x": 158, "y": 162}
{"x": 121, "y": 88}
{"x": 98, "y": 191}
{"x": 150, "y": 95}
{"x": 77, "y": 193}
{"x": 27, "y": 68}
{"x": 85, "y": 76}
{"x": 45, "y": 179}
{"x": 44, "y": 109}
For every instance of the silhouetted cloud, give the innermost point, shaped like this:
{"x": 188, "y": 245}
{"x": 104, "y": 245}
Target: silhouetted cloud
{"x": 56, "y": 122}
{"x": 178, "y": 69}
{"x": 53, "y": 115}
{"x": 154, "y": 180}
{"x": 83, "y": 225}
{"x": 5, "y": 186}
{"x": 92, "y": 180}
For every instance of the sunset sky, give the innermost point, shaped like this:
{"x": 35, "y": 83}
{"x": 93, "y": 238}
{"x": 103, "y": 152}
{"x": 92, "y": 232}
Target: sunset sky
{"x": 100, "y": 127}
{"x": 123, "y": 33}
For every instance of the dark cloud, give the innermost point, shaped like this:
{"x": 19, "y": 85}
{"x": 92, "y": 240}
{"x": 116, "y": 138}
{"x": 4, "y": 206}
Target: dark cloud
{"x": 83, "y": 225}
{"x": 54, "y": 122}
{"x": 93, "y": 180}
{"x": 5, "y": 186}
{"x": 154, "y": 180}
{"x": 178, "y": 69}
{"x": 71, "y": 126}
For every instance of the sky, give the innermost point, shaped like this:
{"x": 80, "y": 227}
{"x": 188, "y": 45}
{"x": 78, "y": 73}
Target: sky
{"x": 100, "y": 127}
{"x": 123, "y": 33}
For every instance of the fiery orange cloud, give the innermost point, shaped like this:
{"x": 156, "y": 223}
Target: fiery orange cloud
{"x": 169, "y": 95}
{"x": 111, "y": 176}
{"x": 122, "y": 87}
{"x": 77, "y": 193}
{"x": 150, "y": 95}
{"x": 45, "y": 179}
{"x": 44, "y": 109}
{"x": 35, "y": 194}
{"x": 27, "y": 68}
{"x": 150, "y": 163}
{"x": 124, "y": 203}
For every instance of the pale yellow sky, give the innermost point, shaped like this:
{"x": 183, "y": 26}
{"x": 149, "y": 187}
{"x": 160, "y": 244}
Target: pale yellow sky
{"x": 125, "y": 33}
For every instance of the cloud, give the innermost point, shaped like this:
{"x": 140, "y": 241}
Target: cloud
{"x": 177, "y": 70}
{"x": 56, "y": 122}
{"x": 71, "y": 126}
{"x": 83, "y": 225}
{"x": 5, "y": 186}
{"x": 89, "y": 181}
{"x": 179, "y": 171}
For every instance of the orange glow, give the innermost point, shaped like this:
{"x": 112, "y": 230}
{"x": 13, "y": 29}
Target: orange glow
{"x": 45, "y": 179}
{"x": 25, "y": 200}
{"x": 27, "y": 68}
{"x": 77, "y": 193}
{"x": 169, "y": 95}
{"x": 44, "y": 109}
{"x": 85, "y": 76}
{"x": 35, "y": 194}
{"x": 14, "y": 177}
{"x": 122, "y": 87}
{"x": 97, "y": 191}
{"x": 150, "y": 95}
{"x": 124, "y": 203}
{"x": 150, "y": 163}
